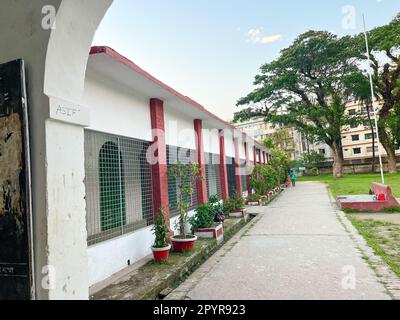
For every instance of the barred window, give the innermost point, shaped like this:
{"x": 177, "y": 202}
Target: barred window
{"x": 244, "y": 182}
{"x": 231, "y": 173}
{"x": 185, "y": 156}
{"x": 213, "y": 177}
{"x": 118, "y": 180}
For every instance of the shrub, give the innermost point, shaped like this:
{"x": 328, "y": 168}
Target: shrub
{"x": 233, "y": 204}
{"x": 254, "y": 197}
{"x": 160, "y": 231}
{"x": 203, "y": 218}
{"x": 263, "y": 178}
{"x": 313, "y": 172}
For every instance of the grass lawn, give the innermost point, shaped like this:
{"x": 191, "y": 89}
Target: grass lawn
{"x": 356, "y": 183}
{"x": 383, "y": 238}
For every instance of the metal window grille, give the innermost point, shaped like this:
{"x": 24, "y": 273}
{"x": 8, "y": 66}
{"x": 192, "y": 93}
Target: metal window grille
{"x": 231, "y": 173}
{"x": 118, "y": 180}
{"x": 244, "y": 183}
{"x": 213, "y": 177}
{"x": 185, "y": 156}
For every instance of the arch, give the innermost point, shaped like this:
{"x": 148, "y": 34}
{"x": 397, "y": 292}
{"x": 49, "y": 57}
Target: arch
{"x": 70, "y": 43}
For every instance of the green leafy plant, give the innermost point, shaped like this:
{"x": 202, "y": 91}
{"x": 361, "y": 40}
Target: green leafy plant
{"x": 253, "y": 197}
{"x": 263, "y": 178}
{"x": 203, "y": 218}
{"x": 185, "y": 176}
{"x": 160, "y": 231}
{"x": 238, "y": 202}
{"x": 228, "y": 206}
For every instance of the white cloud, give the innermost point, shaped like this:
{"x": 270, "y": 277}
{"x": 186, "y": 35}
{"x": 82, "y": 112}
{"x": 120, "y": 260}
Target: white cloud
{"x": 255, "y": 35}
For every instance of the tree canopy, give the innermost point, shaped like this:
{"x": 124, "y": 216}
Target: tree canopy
{"x": 307, "y": 87}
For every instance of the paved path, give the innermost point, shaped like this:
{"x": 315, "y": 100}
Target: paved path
{"x": 297, "y": 249}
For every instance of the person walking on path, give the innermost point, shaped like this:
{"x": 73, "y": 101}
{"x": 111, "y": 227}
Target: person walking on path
{"x": 293, "y": 177}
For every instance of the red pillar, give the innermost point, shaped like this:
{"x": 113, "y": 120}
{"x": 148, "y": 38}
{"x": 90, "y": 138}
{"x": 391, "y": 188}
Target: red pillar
{"x": 248, "y": 167}
{"x": 239, "y": 188}
{"x": 159, "y": 168}
{"x": 264, "y": 161}
{"x": 255, "y": 155}
{"x": 222, "y": 166}
{"x": 201, "y": 185}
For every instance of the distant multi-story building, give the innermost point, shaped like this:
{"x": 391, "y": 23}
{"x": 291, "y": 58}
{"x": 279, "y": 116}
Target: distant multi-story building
{"x": 357, "y": 141}
{"x": 290, "y": 140}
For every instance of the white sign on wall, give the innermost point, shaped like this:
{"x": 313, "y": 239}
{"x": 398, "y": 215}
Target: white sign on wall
{"x": 68, "y": 112}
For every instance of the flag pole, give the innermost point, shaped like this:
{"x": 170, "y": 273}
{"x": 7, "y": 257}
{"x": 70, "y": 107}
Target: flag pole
{"x": 374, "y": 107}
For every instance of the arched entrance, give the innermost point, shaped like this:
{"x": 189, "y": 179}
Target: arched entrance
{"x": 55, "y": 63}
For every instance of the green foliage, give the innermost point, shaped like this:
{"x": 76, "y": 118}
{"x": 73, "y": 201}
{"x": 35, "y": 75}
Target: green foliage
{"x": 185, "y": 176}
{"x": 263, "y": 178}
{"x": 312, "y": 172}
{"x": 254, "y": 197}
{"x": 313, "y": 159}
{"x": 203, "y": 218}
{"x": 306, "y": 88}
{"x": 160, "y": 231}
{"x": 205, "y": 214}
{"x": 384, "y": 43}
{"x": 232, "y": 204}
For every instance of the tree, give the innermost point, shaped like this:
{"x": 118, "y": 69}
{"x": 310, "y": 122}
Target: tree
{"x": 279, "y": 162}
{"x": 384, "y": 44}
{"x": 306, "y": 88}
{"x": 313, "y": 158}
{"x": 283, "y": 139}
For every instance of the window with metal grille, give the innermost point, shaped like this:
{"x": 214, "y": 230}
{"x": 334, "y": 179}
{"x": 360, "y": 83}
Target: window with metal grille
{"x": 231, "y": 173}
{"x": 185, "y": 156}
{"x": 213, "y": 177}
{"x": 244, "y": 182}
{"x": 118, "y": 181}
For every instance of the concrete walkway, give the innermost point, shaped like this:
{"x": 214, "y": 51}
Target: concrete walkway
{"x": 297, "y": 249}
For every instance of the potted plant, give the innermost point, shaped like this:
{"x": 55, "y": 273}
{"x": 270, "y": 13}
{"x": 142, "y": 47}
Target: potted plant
{"x": 253, "y": 200}
{"x": 161, "y": 246}
{"x": 185, "y": 176}
{"x": 204, "y": 225}
{"x": 237, "y": 208}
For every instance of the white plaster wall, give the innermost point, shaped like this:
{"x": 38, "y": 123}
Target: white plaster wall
{"x": 109, "y": 257}
{"x": 115, "y": 109}
{"x": 229, "y": 145}
{"x": 251, "y": 154}
{"x": 242, "y": 151}
{"x": 211, "y": 140}
{"x": 179, "y": 129}
{"x": 66, "y": 223}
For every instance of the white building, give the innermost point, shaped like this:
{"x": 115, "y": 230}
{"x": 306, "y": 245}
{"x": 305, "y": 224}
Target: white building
{"x": 89, "y": 192}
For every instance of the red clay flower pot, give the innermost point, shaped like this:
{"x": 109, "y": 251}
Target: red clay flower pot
{"x": 161, "y": 254}
{"x": 181, "y": 244}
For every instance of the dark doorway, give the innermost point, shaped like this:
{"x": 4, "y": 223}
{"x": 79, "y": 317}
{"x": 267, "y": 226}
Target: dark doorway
{"x": 15, "y": 210}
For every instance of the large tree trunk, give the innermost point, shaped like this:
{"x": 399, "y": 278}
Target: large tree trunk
{"x": 390, "y": 150}
{"x": 337, "y": 159}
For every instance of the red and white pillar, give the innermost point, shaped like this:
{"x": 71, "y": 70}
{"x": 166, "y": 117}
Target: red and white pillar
{"x": 222, "y": 166}
{"x": 159, "y": 168}
{"x": 201, "y": 185}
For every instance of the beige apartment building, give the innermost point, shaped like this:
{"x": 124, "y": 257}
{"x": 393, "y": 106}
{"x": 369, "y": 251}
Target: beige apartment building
{"x": 293, "y": 142}
{"x": 357, "y": 141}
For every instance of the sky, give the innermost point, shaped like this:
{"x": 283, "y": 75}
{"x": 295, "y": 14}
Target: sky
{"x": 211, "y": 50}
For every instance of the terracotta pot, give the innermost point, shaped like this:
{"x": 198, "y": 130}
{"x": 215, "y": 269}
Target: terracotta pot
{"x": 181, "y": 245}
{"x": 161, "y": 254}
